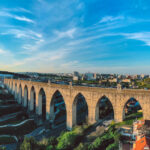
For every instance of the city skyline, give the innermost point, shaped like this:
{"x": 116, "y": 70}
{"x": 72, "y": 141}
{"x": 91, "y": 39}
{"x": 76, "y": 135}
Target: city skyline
{"x": 92, "y": 35}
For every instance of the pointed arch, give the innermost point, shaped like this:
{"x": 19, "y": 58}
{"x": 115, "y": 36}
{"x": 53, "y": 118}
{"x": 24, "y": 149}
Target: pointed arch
{"x": 42, "y": 103}
{"x": 58, "y": 113}
{"x": 12, "y": 87}
{"x": 79, "y": 110}
{"x": 104, "y": 107}
{"x": 15, "y": 91}
{"x": 132, "y": 105}
{"x": 26, "y": 96}
{"x": 9, "y": 85}
{"x": 33, "y": 99}
{"x": 20, "y": 94}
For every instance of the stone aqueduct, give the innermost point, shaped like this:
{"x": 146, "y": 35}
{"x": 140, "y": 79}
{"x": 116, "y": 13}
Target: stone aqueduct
{"x": 92, "y": 95}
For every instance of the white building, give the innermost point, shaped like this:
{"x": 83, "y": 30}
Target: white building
{"x": 75, "y": 78}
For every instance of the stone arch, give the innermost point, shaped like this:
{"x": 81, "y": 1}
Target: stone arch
{"x": 33, "y": 99}
{"x": 42, "y": 103}
{"x": 58, "y": 108}
{"x": 26, "y": 96}
{"x": 15, "y": 90}
{"x": 75, "y": 109}
{"x": 12, "y": 87}
{"x": 20, "y": 94}
{"x": 9, "y": 85}
{"x": 134, "y": 98}
{"x": 97, "y": 111}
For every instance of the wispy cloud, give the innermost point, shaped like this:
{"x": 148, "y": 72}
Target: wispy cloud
{"x": 18, "y": 9}
{"x": 30, "y": 48}
{"x": 140, "y": 36}
{"x": 110, "y": 19}
{"x": 69, "y": 33}
{"x": 44, "y": 58}
{"x": 24, "y": 33}
{"x": 20, "y": 18}
{"x": 32, "y": 40}
{"x": 2, "y": 51}
{"x": 73, "y": 36}
{"x": 70, "y": 64}
{"x": 89, "y": 39}
{"x": 5, "y": 52}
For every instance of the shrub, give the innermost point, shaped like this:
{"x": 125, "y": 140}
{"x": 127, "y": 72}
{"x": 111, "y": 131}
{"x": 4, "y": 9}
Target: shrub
{"x": 113, "y": 146}
{"x": 81, "y": 146}
{"x": 2, "y": 148}
{"x": 31, "y": 144}
{"x": 51, "y": 147}
{"x": 28, "y": 144}
{"x": 105, "y": 139}
{"x": 112, "y": 123}
{"x": 44, "y": 141}
{"x": 66, "y": 141}
{"x": 52, "y": 141}
{"x": 101, "y": 143}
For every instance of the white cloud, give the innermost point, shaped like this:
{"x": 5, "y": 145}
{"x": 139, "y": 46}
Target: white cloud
{"x": 25, "y": 33}
{"x": 70, "y": 64}
{"x": 19, "y": 9}
{"x": 23, "y": 19}
{"x": 20, "y": 18}
{"x": 44, "y": 58}
{"x": 2, "y": 51}
{"x": 23, "y": 10}
{"x": 69, "y": 33}
{"x": 5, "y": 52}
{"x": 88, "y": 39}
{"x": 110, "y": 19}
{"x": 140, "y": 36}
{"x": 6, "y": 58}
{"x": 33, "y": 40}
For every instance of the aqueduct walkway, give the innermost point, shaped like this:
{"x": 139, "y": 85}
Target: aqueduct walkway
{"x": 92, "y": 95}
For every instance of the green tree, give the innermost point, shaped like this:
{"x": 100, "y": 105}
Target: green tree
{"x": 31, "y": 144}
{"x": 27, "y": 144}
{"x": 113, "y": 146}
{"x": 51, "y": 147}
{"x": 66, "y": 141}
{"x": 81, "y": 146}
{"x": 52, "y": 141}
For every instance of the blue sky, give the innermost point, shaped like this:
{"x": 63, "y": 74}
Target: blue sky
{"x": 101, "y": 36}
